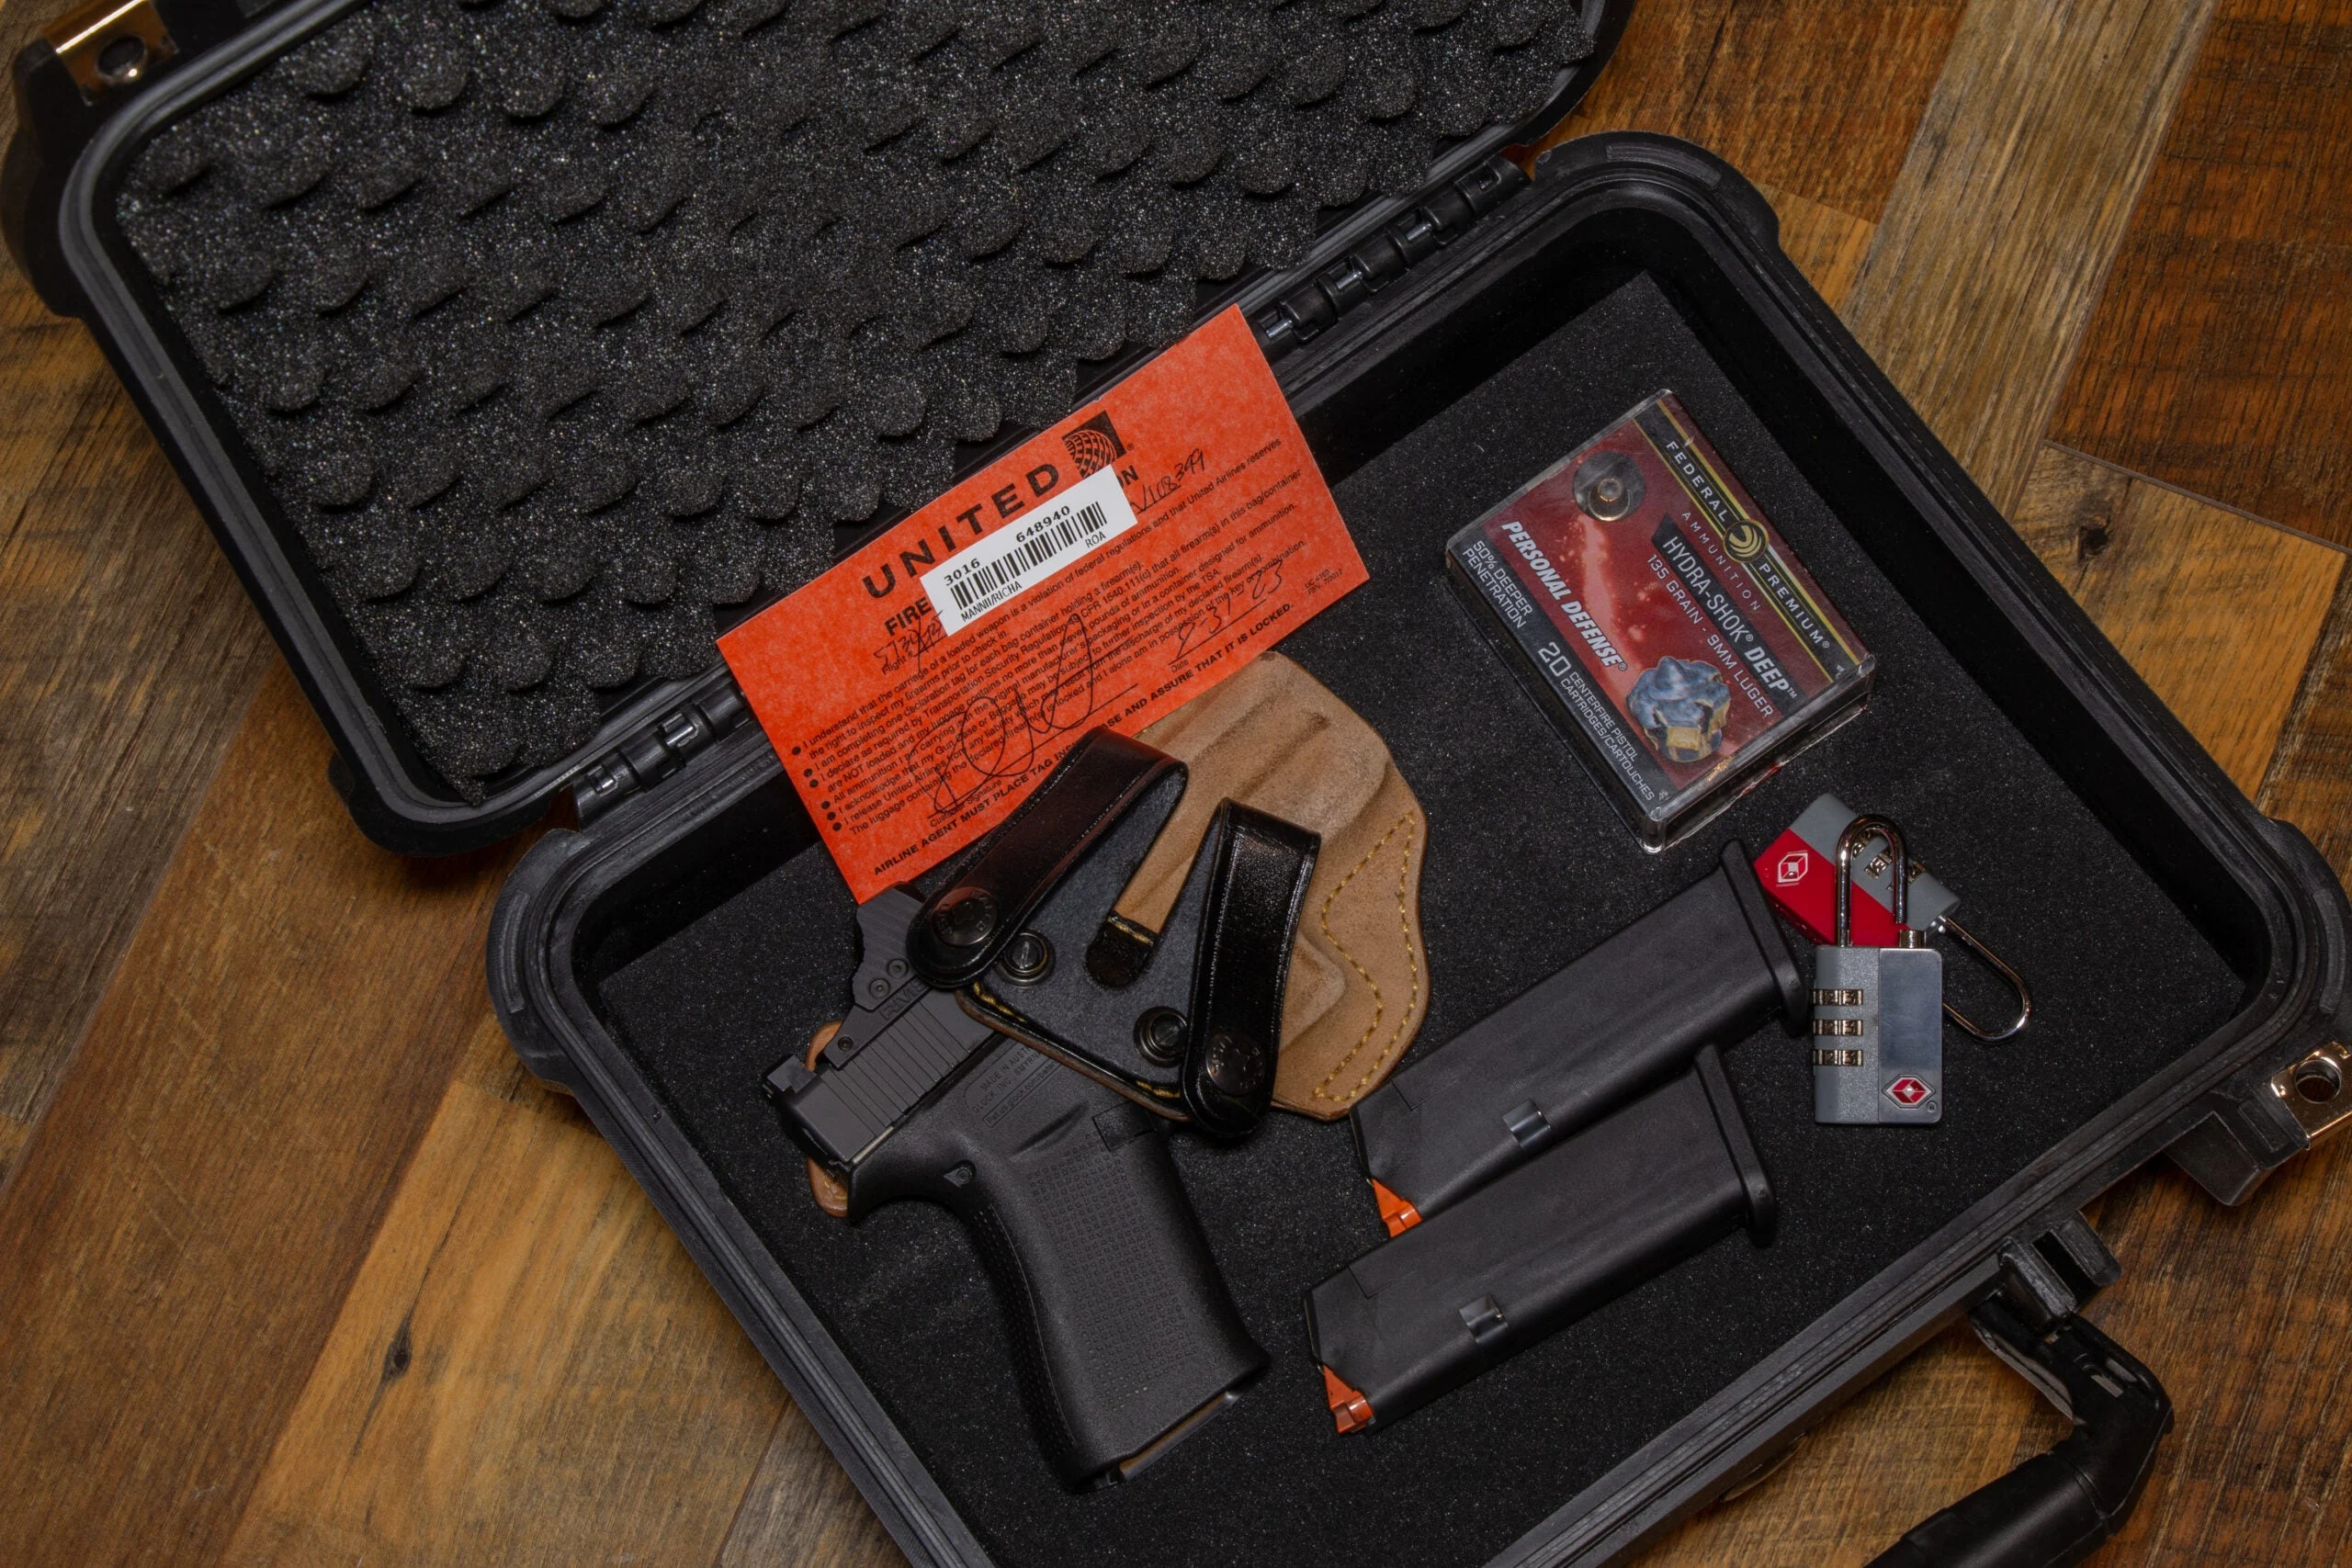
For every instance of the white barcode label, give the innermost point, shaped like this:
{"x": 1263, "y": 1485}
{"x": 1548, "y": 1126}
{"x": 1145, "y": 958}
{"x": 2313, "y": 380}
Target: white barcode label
{"x": 1011, "y": 561}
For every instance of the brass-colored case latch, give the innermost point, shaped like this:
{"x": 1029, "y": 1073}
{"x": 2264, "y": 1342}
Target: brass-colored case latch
{"x": 110, "y": 44}
{"x": 2317, "y": 1091}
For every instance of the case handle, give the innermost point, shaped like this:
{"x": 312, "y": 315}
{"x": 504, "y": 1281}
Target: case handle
{"x": 2057, "y": 1508}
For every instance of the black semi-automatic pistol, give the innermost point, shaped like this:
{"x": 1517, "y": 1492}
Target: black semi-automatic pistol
{"x": 1014, "y": 1051}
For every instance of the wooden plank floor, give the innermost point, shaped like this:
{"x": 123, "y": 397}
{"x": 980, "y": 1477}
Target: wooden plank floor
{"x": 2214, "y": 359}
{"x": 297, "y": 1265}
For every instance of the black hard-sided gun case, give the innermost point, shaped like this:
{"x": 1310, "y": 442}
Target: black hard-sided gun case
{"x": 2188, "y": 955}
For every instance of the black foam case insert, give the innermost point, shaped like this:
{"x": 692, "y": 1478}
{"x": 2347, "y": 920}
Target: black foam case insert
{"x": 550, "y": 337}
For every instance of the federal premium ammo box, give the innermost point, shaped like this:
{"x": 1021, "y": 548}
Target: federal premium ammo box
{"x": 1446, "y": 325}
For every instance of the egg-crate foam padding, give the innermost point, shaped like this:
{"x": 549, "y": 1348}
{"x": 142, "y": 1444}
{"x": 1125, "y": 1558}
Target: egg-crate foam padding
{"x": 558, "y": 328}
{"x": 1527, "y": 866}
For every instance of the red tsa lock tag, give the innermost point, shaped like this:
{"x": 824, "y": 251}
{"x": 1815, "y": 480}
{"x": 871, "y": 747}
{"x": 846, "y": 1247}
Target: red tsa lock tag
{"x": 1799, "y": 875}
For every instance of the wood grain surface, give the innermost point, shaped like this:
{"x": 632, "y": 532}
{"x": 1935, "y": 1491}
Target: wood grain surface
{"x": 127, "y": 654}
{"x": 802, "y": 1509}
{"x": 299, "y": 1267}
{"x": 2011, "y": 201}
{"x": 2255, "y": 1471}
{"x": 183, "y": 1228}
{"x": 523, "y": 1311}
{"x": 2215, "y": 358}
{"x": 2168, "y": 575}
{"x": 1827, "y": 244}
{"x": 17, "y": 24}
{"x": 2310, "y": 781}
{"x": 1818, "y": 98}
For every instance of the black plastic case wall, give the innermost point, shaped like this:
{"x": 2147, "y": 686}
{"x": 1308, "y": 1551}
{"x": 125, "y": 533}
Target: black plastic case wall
{"x": 2187, "y": 951}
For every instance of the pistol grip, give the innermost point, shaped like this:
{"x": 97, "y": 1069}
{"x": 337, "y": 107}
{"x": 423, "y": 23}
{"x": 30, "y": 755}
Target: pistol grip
{"x": 1122, "y": 1328}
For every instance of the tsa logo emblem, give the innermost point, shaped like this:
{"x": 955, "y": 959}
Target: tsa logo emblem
{"x": 1907, "y": 1092}
{"x": 1793, "y": 867}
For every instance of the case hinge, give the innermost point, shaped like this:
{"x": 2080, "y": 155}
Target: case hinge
{"x": 1436, "y": 219}
{"x": 659, "y": 749}
{"x": 109, "y": 44}
{"x": 2317, "y": 1091}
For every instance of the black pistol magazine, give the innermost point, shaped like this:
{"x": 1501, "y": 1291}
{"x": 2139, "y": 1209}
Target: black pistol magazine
{"x": 1579, "y": 1222}
{"x": 1710, "y": 964}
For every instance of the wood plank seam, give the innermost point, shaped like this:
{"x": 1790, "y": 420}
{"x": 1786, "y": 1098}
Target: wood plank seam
{"x": 176, "y": 1245}
{"x": 1715, "y": 52}
{"x": 522, "y": 1306}
{"x": 2308, "y": 780}
{"x": 735, "y": 1518}
{"x": 2214, "y": 357}
{"x": 114, "y": 714}
{"x": 2011, "y": 204}
{"x": 2154, "y": 481}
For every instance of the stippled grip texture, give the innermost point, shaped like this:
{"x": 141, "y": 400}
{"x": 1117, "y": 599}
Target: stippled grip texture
{"x": 1120, "y": 1325}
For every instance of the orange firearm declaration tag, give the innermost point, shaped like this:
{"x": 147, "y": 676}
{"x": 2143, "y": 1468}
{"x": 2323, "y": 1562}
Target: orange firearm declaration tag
{"x": 1106, "y": 573}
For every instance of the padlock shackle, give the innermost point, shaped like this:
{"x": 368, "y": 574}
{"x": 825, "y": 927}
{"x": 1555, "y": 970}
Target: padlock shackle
{"x": 1859, "y": 831}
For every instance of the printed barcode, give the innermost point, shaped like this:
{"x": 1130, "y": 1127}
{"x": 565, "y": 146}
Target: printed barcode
{"x": 995, "y": 570}
{"x": 986, "y": 576}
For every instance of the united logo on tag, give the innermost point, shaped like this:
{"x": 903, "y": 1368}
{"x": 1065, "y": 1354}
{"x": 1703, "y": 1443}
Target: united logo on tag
{"x": 1906, "y": 1091}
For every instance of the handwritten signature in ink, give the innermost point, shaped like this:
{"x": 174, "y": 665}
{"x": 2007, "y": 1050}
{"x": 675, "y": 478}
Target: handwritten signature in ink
{"x": 1006, "y": 731}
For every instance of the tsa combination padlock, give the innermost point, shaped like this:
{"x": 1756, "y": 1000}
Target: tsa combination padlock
{"x": 1878, "y": 1044}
